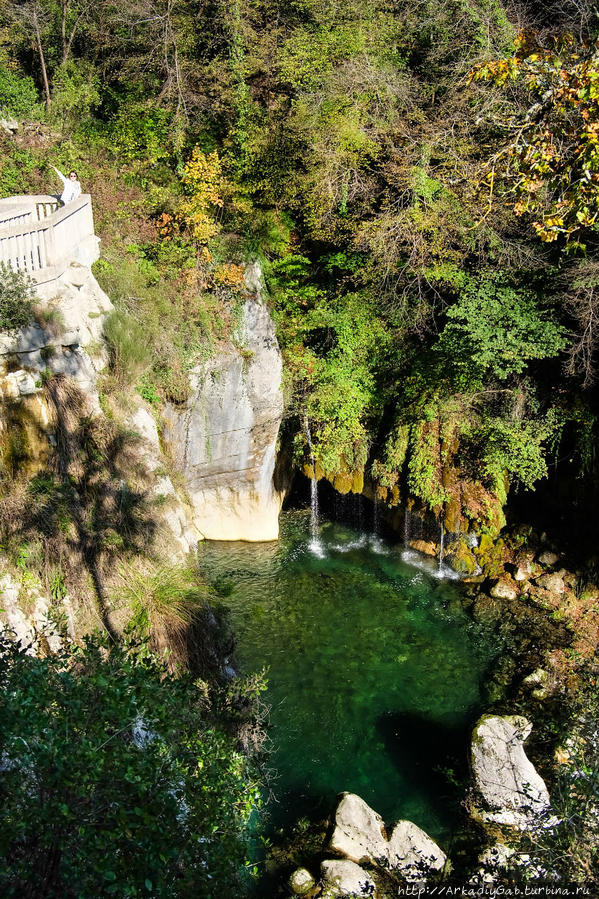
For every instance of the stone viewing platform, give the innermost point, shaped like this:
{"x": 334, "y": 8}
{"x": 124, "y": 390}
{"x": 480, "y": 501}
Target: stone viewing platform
{"x": 42, "y": 238}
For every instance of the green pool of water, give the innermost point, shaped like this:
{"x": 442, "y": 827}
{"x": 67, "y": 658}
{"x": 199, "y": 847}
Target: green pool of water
{"x": 375, "y": 671}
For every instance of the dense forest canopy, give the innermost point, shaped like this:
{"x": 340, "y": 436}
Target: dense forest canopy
{"x": 419, "y": 179}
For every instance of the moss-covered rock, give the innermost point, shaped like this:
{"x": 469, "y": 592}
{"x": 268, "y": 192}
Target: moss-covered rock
{"x": 462, "y": 559}
{"x": 491, "y": 556}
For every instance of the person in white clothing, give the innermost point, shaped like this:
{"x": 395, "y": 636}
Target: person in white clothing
{"x": 72, "y": 187}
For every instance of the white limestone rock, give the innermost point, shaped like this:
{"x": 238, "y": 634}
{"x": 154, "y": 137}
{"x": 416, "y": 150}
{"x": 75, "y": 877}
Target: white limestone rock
{"x": 175, "y": 515}
{"x": 554, "y": 583}
{"x": 9, "y": 125}
{"x": 504, "y": 589}
{"x": 75, "y": 314}
{"x": 524, "y": 567}
{"x": 28, "y": 627}
{"x": 345, "y": 878}
{"x": 359, "y": 832}
{"x": 224, "y": 439}
{"x": 143, "y": 423}
{"x": 16, "y": 384}
{"x": 512, "y": 791}
{"x": 301, "y": 882}
{"x": 413, "y": 854}
{"x": 25, "y": 383}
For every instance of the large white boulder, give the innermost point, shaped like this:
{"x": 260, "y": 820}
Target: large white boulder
{"x": 412, "y": 853}
{"x": 359, "y": 832}
{"x": 345, "y": 878}
{"x": 512, "y": 791}
{"x": 360, "y": 835}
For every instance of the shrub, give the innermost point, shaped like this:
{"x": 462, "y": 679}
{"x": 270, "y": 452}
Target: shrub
{"x": 166, "y": 592}
{"x": 18, "y": 95}
{"x": 119, "y": 779}
{"x": 15, "y": 299}
{"x": 75, "y": 94}
{"x": 128, "y": 344}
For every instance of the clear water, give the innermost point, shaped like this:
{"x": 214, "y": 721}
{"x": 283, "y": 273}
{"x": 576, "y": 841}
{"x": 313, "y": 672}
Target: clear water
{"x": 375, "y": 670}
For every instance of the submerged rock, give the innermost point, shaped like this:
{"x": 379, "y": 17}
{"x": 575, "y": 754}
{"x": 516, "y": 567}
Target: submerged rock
{"x": 345, "y": 878}
{"x": 512, "y": 791}
{"x": 224, "y": 439}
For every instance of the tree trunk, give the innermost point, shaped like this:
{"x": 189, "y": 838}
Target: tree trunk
{"x": 40, "y": 50}
{"x": 63, "y": 29}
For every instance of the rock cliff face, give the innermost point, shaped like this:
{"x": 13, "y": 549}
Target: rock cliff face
{"x": 66, "y": 340}
{"x": 224, "y": 439}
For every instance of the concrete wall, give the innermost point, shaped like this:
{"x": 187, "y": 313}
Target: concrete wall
{"x": 41, "y": 239}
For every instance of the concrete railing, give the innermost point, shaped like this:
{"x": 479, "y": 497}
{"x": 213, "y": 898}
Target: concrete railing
{"x": 40, "y": 238}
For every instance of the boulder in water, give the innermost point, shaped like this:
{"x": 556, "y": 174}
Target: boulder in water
{"x": 412, "y": 853}
{"x": 345, "y": 878}
{"x": 512, "y": 791}
{"x": 359, "y": 832}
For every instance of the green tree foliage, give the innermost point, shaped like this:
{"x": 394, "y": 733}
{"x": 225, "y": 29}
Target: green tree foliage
{"x": 118, "y": 778}
{"x": 494, "y": 330}
{"x": 18, "y": 94}
{"x": 15, "y": 299}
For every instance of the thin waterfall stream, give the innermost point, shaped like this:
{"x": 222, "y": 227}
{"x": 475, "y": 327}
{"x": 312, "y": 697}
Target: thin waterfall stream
{"x": 315, "y": 544}
{"x": 441, "y": 547}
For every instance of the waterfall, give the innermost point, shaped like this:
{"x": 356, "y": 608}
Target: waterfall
{"x": 406, "y": 526}
{"x": 441, "y": 545}
{"x": 314, "y": 510}
{"x": 375, "y": 521}
{"x": 315, "y": 544}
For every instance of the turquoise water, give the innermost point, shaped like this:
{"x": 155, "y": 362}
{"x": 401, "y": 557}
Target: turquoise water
{"x": 374, "y": 671}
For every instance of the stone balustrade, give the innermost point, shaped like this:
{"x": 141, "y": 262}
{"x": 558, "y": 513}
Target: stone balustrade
{"x": 41, "y": 238}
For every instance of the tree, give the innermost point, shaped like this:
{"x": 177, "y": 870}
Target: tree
{"x": 118, "y": 778}
{"x": 550, "y": 159}
{"x": 15, "y": 299}
{"x": 495, "y": 330}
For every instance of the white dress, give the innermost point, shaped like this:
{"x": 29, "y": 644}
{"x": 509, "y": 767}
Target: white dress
{"x": 72, "y": 189}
